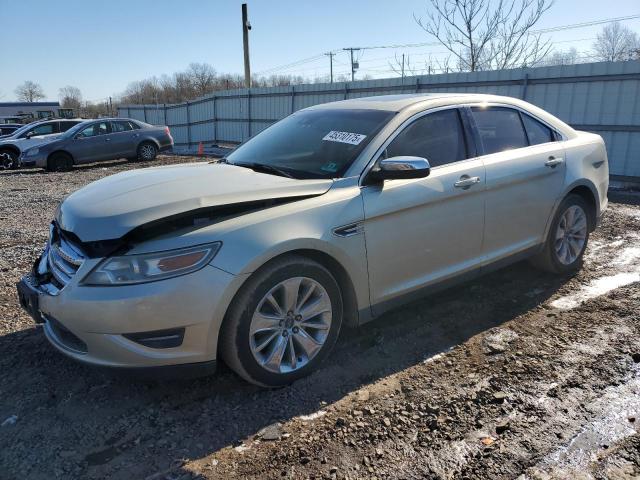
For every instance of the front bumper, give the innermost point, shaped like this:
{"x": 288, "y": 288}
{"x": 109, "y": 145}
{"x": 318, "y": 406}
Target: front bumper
{"x": 95, "y": 325}
{"x": 35, "y": 161}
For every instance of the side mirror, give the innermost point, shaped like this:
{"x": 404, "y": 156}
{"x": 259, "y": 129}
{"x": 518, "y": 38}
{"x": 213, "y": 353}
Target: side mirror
{"x": 397, "y": 168}
{"x": 30, "y": 134}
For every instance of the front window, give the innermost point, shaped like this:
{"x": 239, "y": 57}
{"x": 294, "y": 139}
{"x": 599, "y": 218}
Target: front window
{"x": 94, "y": 130}
{"x": 438, "y": 137}
{"x": 319, "y": 143}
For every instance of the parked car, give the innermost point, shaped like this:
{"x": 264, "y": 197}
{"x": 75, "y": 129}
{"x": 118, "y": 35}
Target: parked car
{"x": 98, "y": 140}
{"x": 7, "y": 129}
{"x": 31, "y": 135}
{"x": 329, "y": 217}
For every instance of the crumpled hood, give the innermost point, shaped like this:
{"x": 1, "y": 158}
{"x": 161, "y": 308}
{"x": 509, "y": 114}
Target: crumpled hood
{"x": 113, "y": 206}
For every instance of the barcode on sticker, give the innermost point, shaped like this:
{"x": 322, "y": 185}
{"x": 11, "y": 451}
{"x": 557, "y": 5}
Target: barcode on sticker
{"x": 344, "y": 137}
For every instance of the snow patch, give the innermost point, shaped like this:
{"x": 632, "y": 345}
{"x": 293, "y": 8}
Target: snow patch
{"x": 312, "y": 416}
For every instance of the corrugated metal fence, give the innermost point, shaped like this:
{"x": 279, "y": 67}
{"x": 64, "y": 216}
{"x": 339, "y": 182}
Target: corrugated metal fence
{"x": 597, "y": 97}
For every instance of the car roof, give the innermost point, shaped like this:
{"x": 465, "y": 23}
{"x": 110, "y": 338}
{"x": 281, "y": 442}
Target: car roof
{"x": 396, "y": 103}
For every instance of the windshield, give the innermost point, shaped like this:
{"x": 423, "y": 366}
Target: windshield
{"x": 313, "y": 143}
{"x": 22, "y": 129}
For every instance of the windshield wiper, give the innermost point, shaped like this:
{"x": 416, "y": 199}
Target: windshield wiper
{"x": 263, "y": 167}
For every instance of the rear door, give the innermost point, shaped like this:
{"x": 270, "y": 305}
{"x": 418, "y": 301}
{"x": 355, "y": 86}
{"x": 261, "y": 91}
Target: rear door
{"x": 525, "y": 174}
{"x": 91, "y": 143}
{"x": 425, "y": 230}
{"x": 122, "y": 139}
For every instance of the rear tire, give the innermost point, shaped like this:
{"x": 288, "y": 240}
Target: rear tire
{"x": 568, "y": 237}
{"x": 59, "y": 162}
{"x": 147, "y": 151}
{"x": 273, "y": 349}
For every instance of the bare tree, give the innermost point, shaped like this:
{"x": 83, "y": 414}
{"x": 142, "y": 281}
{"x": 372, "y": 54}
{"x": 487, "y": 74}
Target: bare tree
{"x": 560, "y": 57}
{"x": 29, "y": 92}
{"x": 616, "y": 42}
{"x": 70, "y": 97}
{"x": 486, "y": 34}
{"x": 203, "y": 77}
{"x": 403, "y": 67}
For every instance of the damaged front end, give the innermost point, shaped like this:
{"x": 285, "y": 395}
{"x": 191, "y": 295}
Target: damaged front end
{"x": 65, "y": 253}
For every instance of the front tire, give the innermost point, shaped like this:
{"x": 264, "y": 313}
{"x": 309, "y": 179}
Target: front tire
{"x": 568, "y": 237}
{"x": 147, "y": 152}
{"x": 283, "y": 322}
{"x": 8, "y": 160}
{"x": 59, "y": 162}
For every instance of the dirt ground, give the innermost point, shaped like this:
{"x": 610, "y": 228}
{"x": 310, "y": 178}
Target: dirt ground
{"x": 519, "y": 374}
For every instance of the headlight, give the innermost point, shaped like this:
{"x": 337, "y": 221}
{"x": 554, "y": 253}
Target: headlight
{"x": 31, "y": 152}
{"x": 149, "y": 267}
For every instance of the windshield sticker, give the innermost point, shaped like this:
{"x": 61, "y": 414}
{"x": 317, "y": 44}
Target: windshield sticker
{"x": 331, "y": 167}
{"x": 344, "y": 137}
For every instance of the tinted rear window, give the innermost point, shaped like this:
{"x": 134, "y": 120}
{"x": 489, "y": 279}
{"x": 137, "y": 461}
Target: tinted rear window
{"x": 537, "y": 131}
{"x": 500, "y": 128}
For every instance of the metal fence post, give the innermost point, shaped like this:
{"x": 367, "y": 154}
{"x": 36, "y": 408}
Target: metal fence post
{"x": 188, "y": 127}
{"x": 293, "y": 98}
{"x": 417, "y": 84}
{"x": 215, "y": 121}
{"x": 525, "y": 84}
{"x": 164, "y": 113}
{"x": 144, "y": 112}
{"x": 249, "y": 112}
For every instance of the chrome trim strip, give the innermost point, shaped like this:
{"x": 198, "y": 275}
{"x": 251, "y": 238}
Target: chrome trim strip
{"x": 349, "y": 230}
{"x": 66, "y": 251}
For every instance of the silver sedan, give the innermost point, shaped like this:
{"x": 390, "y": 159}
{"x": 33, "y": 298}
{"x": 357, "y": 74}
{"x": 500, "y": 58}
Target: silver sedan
{"x": 328, "y": 218}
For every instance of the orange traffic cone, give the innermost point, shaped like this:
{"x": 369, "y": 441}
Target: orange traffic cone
{"x": 200, "y": 149}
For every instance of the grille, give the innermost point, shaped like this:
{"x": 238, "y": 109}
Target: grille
{"x": 63, "y": 260}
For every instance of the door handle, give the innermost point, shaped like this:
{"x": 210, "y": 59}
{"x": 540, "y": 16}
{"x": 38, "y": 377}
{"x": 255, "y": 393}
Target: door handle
{"x": 553, "y": 162}
{"x": 107, "y": 139}
{"x": 466, "y": 181}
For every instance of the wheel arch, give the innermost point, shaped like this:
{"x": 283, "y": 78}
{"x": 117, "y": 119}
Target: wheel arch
{"x": 587, "y": 190}
{"x": 148, "y": 140}
{"x": 61, "y": 150}
{"x": 588, "y": 195}
{"x": 11, "y": 148}
{"x": 339, "y": 272}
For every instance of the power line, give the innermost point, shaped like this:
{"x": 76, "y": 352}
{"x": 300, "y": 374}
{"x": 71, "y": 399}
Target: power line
{"x": 431, "y": 44}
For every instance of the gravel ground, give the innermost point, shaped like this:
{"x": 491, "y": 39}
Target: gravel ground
{"x": 517, "y": 375}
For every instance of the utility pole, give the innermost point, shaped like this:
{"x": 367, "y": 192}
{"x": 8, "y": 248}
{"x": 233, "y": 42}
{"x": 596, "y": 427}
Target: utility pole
{"x": 330, "y": 55}
{"x": 246, "y": 26}
{"x": 110, "y": 107}
{"x": 354, "y": 65}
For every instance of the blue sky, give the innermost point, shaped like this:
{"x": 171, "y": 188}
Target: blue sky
{"x": 101, "y": 46}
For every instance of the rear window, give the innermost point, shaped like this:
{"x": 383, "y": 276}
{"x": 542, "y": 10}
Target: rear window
{"x": 121, "y": 126}
{"x": 500, "y": 129}
{"x": 537, "y": 131}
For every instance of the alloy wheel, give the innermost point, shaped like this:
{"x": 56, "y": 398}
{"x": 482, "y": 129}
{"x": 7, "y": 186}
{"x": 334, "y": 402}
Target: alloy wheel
{"x": 571, "y": 235}
{"x": 147, "y": 151}
{"x": 290, "y": 325}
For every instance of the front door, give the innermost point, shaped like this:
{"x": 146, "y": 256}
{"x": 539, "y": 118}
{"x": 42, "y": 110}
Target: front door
{"x": 422, "y": 231}
{"x": 91, "y": 143}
